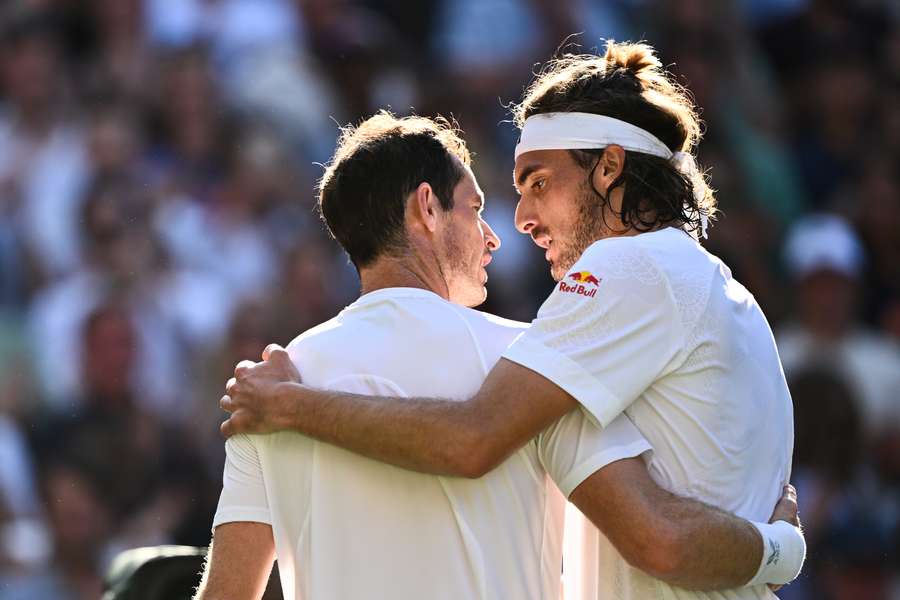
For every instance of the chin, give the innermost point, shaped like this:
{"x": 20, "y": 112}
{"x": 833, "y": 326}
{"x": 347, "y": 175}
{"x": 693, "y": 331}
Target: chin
{"x": 476, "y": 299}
{"x": 557, "y": 273}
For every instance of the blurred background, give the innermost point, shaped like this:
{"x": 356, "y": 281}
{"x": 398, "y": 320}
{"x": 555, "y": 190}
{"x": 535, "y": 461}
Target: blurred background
{"x": 157, "y": 168}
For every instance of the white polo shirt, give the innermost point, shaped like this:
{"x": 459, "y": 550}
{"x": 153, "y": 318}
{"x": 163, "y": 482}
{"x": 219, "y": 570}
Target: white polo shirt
{"x": 655, "y": 327}
{"x": 347, "y": 527}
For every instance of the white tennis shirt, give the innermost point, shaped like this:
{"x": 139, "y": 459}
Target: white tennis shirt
{"x": 347, "y": 527}
{"x": 655, "y": 327}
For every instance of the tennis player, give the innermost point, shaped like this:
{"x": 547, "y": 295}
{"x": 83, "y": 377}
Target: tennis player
{"x": 348, "y": 527}
{"x": 643, "y": 321}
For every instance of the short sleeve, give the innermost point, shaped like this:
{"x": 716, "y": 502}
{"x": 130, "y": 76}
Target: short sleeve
{"x": 574, "y": 448}
{"x": 243, "y": 495}
{"x": 607, "y": 332}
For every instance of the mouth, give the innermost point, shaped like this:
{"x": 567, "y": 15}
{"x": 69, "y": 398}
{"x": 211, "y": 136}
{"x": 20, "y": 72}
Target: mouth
{"x": 486, "y": 259}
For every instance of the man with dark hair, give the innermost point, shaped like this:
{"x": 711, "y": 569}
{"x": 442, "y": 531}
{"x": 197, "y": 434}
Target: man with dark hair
{"x": 643, "y": 321}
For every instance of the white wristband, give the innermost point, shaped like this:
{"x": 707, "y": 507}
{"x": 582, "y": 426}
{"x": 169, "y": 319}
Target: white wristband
{"x": 784, "y": 550}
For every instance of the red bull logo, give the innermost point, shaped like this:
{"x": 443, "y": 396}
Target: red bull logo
{"x": 585, "y": 284}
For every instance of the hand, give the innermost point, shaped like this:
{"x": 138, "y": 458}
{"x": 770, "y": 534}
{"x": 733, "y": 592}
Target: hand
{"x": 786, "y": 507}
{"x": 255, "y": 395}
{"x": 786, "y": 510}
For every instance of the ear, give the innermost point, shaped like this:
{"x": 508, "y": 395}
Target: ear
{"x": 610, "y": 167}
{"x": 423, "y": 207}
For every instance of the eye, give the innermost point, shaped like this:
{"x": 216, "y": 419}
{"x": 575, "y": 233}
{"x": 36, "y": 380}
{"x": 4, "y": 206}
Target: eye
{"x": 539, "y": 184}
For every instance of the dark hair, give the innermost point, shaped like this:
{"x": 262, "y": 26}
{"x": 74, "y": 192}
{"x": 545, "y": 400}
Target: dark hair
{"x": 362, "y": 195}
{"x": 628, "y": 83}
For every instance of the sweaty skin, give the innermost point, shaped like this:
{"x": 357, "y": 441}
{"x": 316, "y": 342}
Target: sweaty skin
{"x": 681, "y": 541}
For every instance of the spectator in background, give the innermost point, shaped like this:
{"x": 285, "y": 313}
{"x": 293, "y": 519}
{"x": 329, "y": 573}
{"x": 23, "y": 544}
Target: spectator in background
{"x": 42, "y": 156}
{"x": 79, "y": 521}
{"x": 123, "y": 62}
{"x": 122, "y": 256}
{"x": 849, "y": 538}
{"x": 825, "y": 259}
{"x": 876, "y": 211}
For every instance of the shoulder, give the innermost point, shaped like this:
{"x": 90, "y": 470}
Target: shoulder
{"x": 623, "y": 258}
{"x": 614, "y": 268}
{"x": 487, "y": 325}
{"x": 316, "y": 337}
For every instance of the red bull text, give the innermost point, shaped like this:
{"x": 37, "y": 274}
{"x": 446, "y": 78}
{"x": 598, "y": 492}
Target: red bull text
{"x": 585, "y": 284}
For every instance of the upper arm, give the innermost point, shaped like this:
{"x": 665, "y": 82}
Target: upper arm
{"x": 239, "y": 562}
{"x": 243, "y": 550}
{"x": 243, "y": 495}
{"x": 604, "y": 343}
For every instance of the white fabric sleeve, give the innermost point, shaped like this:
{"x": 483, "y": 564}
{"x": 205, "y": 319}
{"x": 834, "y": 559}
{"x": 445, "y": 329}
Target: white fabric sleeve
{"x": 610, "y": 328}
{"x": 574, "y": 448}
{"x": 243, "y": 495}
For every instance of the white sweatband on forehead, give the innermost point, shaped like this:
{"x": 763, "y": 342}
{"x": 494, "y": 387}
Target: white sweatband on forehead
{"x": 586, "y": 131}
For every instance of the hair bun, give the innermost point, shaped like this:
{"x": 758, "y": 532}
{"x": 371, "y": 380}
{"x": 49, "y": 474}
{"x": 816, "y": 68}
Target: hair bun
{"x": 638, "y": 58}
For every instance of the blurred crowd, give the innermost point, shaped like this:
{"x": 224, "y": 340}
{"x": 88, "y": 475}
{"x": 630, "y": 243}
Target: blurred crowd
{"x": 158, "y": 160}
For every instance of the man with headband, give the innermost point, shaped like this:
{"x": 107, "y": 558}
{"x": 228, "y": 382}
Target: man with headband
{"x": 642, "y": 321}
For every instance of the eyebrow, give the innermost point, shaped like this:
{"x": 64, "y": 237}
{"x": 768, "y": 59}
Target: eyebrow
{"x": 526, "y": 172}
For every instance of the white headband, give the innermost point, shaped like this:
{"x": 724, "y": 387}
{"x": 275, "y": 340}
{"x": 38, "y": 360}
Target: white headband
{"x": 585, "y": 131}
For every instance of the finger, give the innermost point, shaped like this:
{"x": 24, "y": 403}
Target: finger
{"x": 227, "y": 428}
{"x": 242, "y": 368}
{"x": 270, "y": 349}
{"x": 231, "y": 386}
{"x": 227, "y": 404}
{"x": 790, "y": 492}
{"x": 786, "y": 510}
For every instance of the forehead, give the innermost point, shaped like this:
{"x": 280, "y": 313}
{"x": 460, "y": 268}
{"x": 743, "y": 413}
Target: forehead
{"x": 529, "y": 162}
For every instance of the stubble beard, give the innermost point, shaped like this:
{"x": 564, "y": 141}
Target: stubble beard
{"x": 588, "y": 228}
{"x": 458, "y": 267}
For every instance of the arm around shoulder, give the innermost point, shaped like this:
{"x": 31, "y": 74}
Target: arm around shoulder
{"x": 684, "y": 542}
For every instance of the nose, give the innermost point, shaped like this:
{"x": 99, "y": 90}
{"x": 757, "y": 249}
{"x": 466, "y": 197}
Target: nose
{"x": 491, "y": 239}
{"x": 526, "y": 220}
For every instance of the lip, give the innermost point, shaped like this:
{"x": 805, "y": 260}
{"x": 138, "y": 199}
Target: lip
{"x": 486, "y": 260}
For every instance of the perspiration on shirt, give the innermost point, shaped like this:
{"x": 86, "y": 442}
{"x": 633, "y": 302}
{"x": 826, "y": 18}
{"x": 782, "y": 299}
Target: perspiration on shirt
{"x": 655, "y": 327}
{"x": 347, "y": 527}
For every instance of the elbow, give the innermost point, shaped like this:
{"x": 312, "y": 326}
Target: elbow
{"x": 475, "y": 468}
{"x": 476, "y": 456}
{"x": 658, "y": 554}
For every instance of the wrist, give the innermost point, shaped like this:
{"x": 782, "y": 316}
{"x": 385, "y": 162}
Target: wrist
{"x": 289, "y": 397}
{"x": 784, "y": 550}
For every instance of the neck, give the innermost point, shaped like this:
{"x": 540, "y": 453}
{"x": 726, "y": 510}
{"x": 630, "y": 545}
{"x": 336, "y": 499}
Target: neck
{"x": 411, "y": 272}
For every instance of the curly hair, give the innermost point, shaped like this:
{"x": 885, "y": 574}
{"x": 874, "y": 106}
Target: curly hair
{"x": 629, "y": 83}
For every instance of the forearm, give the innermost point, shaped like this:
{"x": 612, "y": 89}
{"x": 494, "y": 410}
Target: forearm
{"x": 681, "y": 541}
{"x": 427, "y": 435}
{"x": 710, "y": 548}
{"x": 444, "y": 437}
{"x": 238, "y": 564}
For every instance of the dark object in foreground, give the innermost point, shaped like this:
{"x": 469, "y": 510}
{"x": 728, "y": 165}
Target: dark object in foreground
{"x": 163, "y": 573}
